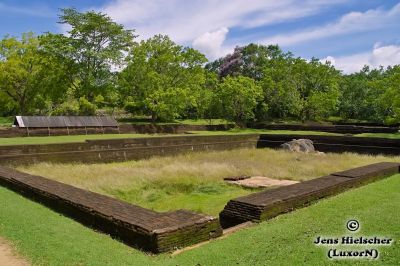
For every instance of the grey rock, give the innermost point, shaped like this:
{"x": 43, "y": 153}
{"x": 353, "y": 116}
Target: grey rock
{"x": 299, "y": 145}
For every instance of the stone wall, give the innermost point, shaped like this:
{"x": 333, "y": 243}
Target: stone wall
{"x": 137, "y": 226}
{"x": 336, "y": 143}
{"x": 368, "y": 124}
{"x": 343, "y": 129}
{"x": 111, "y": 150}
{"x": 264, "y": 205}
{"x": 123, "y": 128}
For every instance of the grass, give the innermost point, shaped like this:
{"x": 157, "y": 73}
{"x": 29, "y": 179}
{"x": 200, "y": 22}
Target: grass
{"x": 263, "y": 131}
{"x": 82, "y": 138}
{"x": 70, "y": 138}
{"x": 293, "y": 132}
{"x": 195, "y": 181}
{"x": 380, "y": 135}
{"x": 47, "y": 238}
{"x": 167, "y": 195}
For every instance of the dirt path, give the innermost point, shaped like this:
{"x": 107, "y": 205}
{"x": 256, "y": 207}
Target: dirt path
{"x": 8, "y": 256}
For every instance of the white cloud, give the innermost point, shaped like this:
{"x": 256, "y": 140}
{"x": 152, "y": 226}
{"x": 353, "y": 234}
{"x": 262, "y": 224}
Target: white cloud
{"x": 210, "y": 43}
{"x": 379, "y": 56}
{"x": 184, "y": 21}
{"x": 385, "y": 55}
{"x": 349, "y": 23}
{"x": 204, "y": 24}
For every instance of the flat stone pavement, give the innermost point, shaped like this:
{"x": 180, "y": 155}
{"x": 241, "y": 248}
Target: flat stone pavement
{"x": 8, "y": 256}
{"x": 262, "y": 182}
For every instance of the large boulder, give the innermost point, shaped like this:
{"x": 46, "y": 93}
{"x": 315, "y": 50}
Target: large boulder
{"x": 299, "y": 145}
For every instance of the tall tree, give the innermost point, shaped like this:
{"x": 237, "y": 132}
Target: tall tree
{"x": 281, "y": 94}
{"x": 318, "y": 85}
{"x": 162, "y": 78}
{"x": 238, "y": 98}
{"x": 387, "y": 91}
{"x": 93, "y": 49}
{"x": 27, "y": 76}
{"x": 356, "y": 96}
{"x": 299, "y": 89}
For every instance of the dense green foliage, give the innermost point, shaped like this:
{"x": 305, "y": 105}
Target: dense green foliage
{"x": 98, "y": 67}
{"x": 27, "y": 76}
{"x": 162, "y": 79}
{"x": 237, "y": 98}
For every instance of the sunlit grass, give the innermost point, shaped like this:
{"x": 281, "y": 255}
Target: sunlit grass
{"x": 380, "y": 135}
{"x": 264, "y": 131}
{"x": 70, "y": 138}
{"x": 195, "y": 181}
{"x": 234, "y": 131}
{"x": 83, "y": 138}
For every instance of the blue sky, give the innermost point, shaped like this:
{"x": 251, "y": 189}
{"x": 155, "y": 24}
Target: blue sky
{"x": 349, "y": 33}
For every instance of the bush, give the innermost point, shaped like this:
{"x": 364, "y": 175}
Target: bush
{"x": 86, "y": 107}
{"x": 238, "y": 98}
{"x": 74, "y": 107}
{"x": 70, "y": 107}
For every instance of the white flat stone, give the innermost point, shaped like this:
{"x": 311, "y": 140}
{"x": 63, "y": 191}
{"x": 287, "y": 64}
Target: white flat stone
{"x": 262, "y": 181}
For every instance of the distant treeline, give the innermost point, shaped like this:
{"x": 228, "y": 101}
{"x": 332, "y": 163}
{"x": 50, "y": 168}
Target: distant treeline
{"x": 99, "y": 67}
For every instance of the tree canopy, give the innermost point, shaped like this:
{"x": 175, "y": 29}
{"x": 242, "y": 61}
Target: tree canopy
{"x": 97, "y": 66}
{"x": 162, "y": 79}
{"x": 93, "y": 48}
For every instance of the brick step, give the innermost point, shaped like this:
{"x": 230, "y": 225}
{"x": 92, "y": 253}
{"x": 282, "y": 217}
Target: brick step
{"x": 264, "y": 205}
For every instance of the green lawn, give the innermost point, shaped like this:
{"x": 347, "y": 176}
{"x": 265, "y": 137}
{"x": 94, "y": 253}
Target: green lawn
{"x": 380, "y": 135}
{"x": 47, "y": 238}
{"x": 70, "y": 138}
{"x": 82, "y": 138}
{"x": 294, "y": 132}
{"x": 263, "y": 131}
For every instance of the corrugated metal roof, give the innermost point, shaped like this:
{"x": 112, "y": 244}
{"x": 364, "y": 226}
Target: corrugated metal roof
{"x": 65, "y": 121}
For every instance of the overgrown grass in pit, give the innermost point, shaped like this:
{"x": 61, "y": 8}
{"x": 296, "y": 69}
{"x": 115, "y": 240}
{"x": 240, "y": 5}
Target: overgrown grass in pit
{"x": 195, "y": 181}
{"x": 201, "y": 197}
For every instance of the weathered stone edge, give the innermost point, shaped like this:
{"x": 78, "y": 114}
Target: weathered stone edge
{"x": 239, "y": 211}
